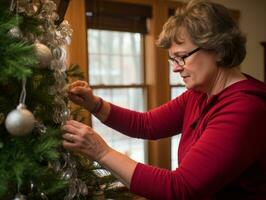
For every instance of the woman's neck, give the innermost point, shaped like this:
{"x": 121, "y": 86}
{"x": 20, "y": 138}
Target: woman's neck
{"x": 225, "y": 78}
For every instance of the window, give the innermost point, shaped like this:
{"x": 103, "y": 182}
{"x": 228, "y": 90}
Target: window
{"x": 116, "y": 67}
{"x": 116, "y": 74}
{"x": 177, "y": 88}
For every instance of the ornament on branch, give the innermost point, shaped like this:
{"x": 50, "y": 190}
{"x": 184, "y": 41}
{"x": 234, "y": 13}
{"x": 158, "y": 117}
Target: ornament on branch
{"x": 20, "y": 197}
{"x": 43, "y": 196}
{"x": 20, "y": 121}
{"x": 40, "y": 127}
{"x": 15, "y": 32}
{"x": 43, "y": 54}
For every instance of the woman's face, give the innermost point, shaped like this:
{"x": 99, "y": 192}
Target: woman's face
{"x": 200, "y": 69}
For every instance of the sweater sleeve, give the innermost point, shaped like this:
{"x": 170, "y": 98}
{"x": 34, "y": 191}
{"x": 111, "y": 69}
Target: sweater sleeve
{"x": 160, "y": 122}
{"x": 231, "y": 142}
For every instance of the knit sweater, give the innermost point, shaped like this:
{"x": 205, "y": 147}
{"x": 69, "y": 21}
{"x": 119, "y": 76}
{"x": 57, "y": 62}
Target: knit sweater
{"x": 222, "y": 151}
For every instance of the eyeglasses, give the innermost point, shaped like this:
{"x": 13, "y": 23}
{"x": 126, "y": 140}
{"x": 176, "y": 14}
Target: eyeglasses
{"x": 180, "y": 60}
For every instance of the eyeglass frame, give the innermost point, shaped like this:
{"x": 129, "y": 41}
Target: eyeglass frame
{"x": 181, "y": 59}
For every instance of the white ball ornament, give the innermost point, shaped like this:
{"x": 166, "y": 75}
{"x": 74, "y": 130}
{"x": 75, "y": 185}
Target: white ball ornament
{"x": 43, "y": 54}
{"x": 20, "y": 121}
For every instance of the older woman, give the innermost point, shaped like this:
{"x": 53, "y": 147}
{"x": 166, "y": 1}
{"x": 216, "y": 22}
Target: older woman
{"x": 221, "y": 116}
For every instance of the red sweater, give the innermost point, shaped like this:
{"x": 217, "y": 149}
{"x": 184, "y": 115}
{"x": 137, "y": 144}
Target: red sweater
{"x": 222, "y": 151}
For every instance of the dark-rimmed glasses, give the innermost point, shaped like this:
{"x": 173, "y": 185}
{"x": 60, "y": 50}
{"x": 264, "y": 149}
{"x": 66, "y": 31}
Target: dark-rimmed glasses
{"x": 180, "y": 60}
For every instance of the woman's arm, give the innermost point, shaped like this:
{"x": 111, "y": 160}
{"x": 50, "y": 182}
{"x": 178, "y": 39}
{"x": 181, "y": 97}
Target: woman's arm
{"x": 160, "y": 122}
{"x": 121, "y": 166}
{"x": 232, "y": 142}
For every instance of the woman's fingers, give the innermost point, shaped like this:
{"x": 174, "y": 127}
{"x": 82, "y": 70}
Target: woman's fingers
{"x": 74, "y": 123}
{"x": 78, "y": 83}
{"x": 80, "y": 95}
{"x": 68, "y": 145}
{"x": 69, "y": 128}
{"x": 70, "y": 137}
{"x": 70, "y": 141}
{"x": 78, "y": 90}
{"x": 82, "y": 138}
{"x": 76, "y": 127}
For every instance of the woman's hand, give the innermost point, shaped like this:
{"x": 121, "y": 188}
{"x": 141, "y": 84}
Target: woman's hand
{"x": 81, "y": 94}
{"x": 83, "y": 139}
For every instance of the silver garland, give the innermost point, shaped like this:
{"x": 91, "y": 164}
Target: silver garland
{"x": 56, "y": 38}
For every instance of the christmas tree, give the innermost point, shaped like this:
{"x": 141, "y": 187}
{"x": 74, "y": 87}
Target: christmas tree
{"x": 33, "y": 107}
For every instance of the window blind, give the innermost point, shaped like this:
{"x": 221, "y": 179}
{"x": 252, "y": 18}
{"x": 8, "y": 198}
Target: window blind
{"x": 117, "y": 16}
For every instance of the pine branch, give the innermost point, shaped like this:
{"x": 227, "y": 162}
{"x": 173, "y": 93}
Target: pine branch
{"x": 46, "y": 148}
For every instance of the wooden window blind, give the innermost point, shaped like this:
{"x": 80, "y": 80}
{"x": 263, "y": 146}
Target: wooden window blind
{"x": 118, "y": 16}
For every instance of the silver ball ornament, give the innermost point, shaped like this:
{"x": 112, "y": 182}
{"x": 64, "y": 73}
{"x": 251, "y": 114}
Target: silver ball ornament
{"x": 20, "y": 197}
{"x": 43, "y": 54}
{"x": 20, "y": 121}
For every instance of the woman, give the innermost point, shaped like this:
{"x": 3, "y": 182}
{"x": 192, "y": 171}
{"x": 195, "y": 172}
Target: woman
{"x": 221, "y": 116}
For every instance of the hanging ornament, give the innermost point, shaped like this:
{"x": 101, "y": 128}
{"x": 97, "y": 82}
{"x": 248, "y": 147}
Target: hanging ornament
{"x": 43, "y": 196}
{"x": 20, "y": 197}
{"x": 40, "y": 127}
{"x": 20, "y": 121}
{"x": 15, "y": 32}
{"x": 43, "y": 54}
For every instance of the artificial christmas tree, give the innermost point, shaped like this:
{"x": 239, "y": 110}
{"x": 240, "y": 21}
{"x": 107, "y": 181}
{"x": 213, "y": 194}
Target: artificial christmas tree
{"x": 33, "y": 106}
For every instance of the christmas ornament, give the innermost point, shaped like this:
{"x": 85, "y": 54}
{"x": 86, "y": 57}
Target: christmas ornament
{"x": 40, "y": 127}
{"x": 83, "y": 189}
{"x": 43, "y": 54}
{"x": 15, "y": 32}
{"x": 43, "y": 196}
{"x": 20, "y": 121}
{"x": 57, "y": 52}
{"x": 20, "y": 197}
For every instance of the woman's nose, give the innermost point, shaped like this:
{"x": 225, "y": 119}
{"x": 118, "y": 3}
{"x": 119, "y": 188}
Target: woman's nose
{"x": 177, "y": 68}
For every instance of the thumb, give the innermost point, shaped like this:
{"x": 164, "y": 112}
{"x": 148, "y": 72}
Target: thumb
{"x": 80, "y": 91}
